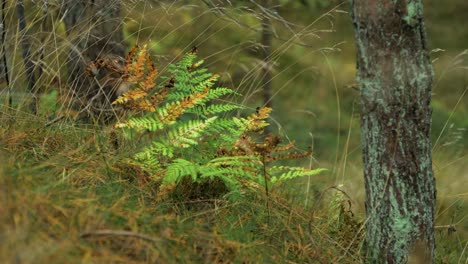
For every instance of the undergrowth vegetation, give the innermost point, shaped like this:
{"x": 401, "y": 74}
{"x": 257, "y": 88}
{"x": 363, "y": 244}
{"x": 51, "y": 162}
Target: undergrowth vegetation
{"x": 180, "y": 177}
{"x": 192, "y": 137}
{"x": 185, "y": 173}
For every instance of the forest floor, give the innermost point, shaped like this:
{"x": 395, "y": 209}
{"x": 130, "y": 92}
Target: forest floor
{"x": 68, "y": 196}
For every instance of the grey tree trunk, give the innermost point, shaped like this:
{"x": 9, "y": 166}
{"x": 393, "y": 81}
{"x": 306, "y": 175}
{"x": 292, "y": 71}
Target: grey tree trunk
{"x": 396, "y": 76}
{"x": 95, "y": 30}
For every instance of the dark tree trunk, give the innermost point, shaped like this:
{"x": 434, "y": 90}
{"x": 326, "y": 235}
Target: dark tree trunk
{"x": 4, "y": 66}
{"x": 266, "y": 54}
{"x": 95, "y": 31}
{"x": 28, "y": 64}
{"x": 396, "y": 76}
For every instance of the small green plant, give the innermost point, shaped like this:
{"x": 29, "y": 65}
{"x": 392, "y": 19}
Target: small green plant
{"x": 194, "y": 135}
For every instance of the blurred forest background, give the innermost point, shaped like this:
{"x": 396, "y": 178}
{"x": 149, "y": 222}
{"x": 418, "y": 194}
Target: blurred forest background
{"x": 314, "y": 94}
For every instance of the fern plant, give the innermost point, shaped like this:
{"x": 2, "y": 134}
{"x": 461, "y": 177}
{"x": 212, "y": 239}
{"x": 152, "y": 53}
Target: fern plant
{"x": 195, "y": 137}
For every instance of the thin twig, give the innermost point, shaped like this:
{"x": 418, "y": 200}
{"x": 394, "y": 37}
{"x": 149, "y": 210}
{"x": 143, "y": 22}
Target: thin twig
{"x": 120, "y": 233}
{"x": 266, "y": 188}
{"x": 55, "y": 120}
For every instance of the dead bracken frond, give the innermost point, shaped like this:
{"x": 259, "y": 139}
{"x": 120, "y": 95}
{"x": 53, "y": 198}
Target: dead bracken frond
{"x": 139, "y": 71}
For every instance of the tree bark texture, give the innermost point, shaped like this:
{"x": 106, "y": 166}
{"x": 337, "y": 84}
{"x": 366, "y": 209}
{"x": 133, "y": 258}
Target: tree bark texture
{"x": 94, "y": 29}
{"x": 396, "y": 75}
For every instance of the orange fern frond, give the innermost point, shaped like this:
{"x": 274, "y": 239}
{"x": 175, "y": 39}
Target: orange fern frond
{"x": 177, "y": 109}
{"x": 145, "y": 105}
{"x": 132, "y": 95}
{"x": 149, "y": 82}
{"x": 214, "y": 77}
{"x": 140, "y": 70}
{"x": 286, "y": 147}
{"x": 257, "y": 120}
{"x": 131, "y": 55}
{"x": 158, "y": 97}
{"x": 136, "y": 62}
{"x": 262, "y": 113}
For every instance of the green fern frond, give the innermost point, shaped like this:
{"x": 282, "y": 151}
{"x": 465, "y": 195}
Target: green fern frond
{"x": 187, "y": 134}
{"x": 186, "y": 61}
{"x": 237, "y": 161}
{"x": 182, "y": 83}
{"x": 186, "y": 120}
{"x": 224, "y": 123}
{"x": 240, "y": 122}
{"x": 176, "y": 96}
{"x": 179, "y": 169}
{"x": 198, "y": 78}
{"x": 219, "y": 172}
{"x": 221, "y": 127}
{"x": 203, "y": 111}
{"x": 150, "y": 163}
{"x": 229, "y": 176}
{"x": 295, "y": 172}
{"x": 150, "y": 122}
{"x": 275, "y": 169}
{"x": 220, "y": 108}
{"x": 208, "y": 82}
{"x": 156, "y": 149}
{"x": 212, "y": 93}
{"x": 219, "y": 92}
{"x": 198, "y": 63}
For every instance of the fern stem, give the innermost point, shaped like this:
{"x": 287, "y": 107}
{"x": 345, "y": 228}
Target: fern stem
{"x": 266, "y": 187}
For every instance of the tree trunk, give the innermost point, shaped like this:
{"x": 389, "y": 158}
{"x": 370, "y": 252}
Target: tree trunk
{"x": 396, "y": 76}
{"x": 95, "y": 30}
{"x": 28, "y": 64}
{"x": 266, "y": 54}
{"x": 4, "y": 66}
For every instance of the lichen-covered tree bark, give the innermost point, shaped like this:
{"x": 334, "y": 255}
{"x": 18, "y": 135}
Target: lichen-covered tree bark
{"x": 395, "y": 74}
